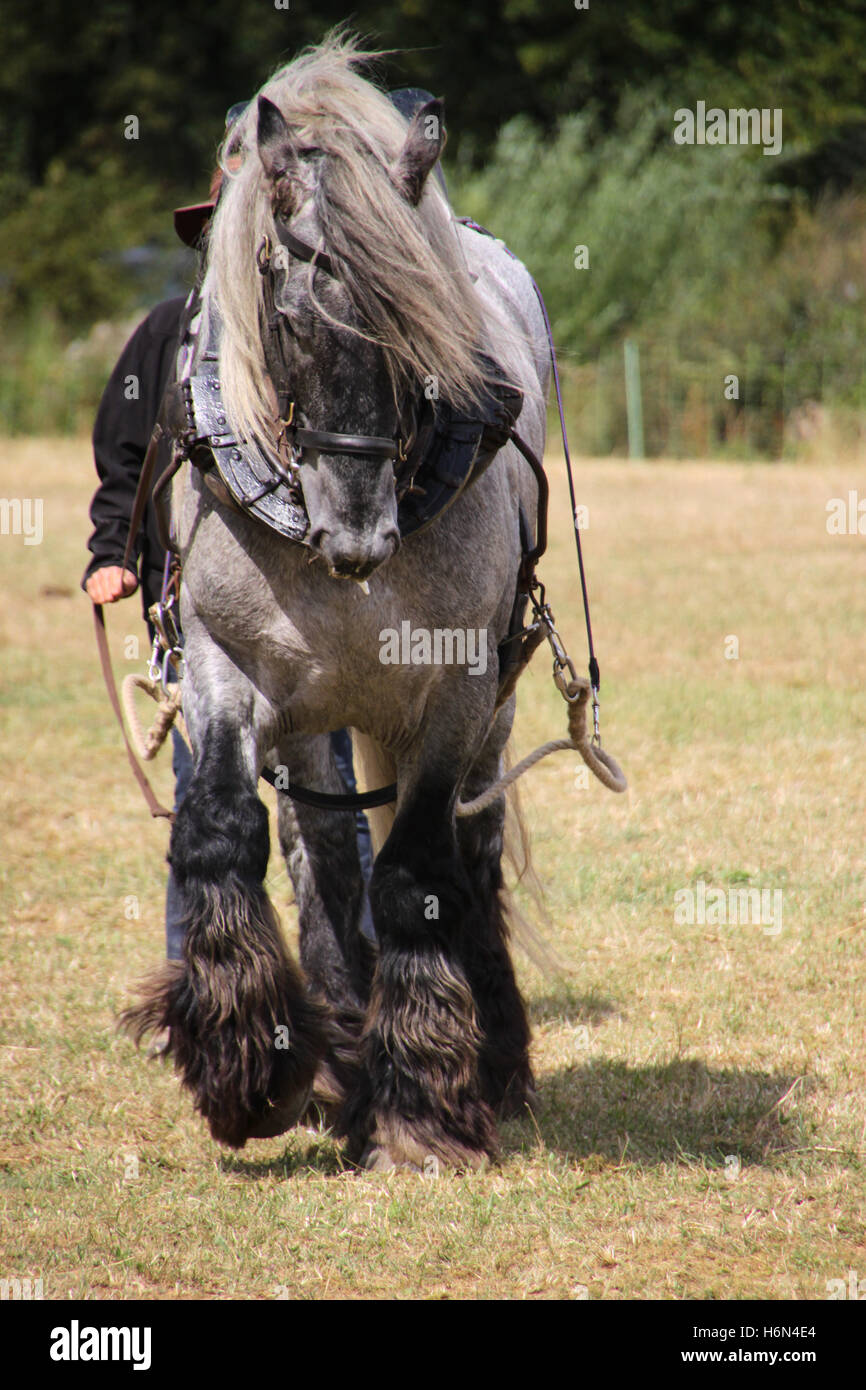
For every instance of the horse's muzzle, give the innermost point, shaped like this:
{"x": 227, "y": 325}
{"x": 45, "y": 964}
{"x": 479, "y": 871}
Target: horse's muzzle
{"x": 351, "y": 557}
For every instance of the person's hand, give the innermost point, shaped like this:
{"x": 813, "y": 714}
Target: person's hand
{"x": 111, "y": 583}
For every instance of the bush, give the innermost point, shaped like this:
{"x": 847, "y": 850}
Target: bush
{"x": 697, "y": 255}
{"x": 82, "y": 259}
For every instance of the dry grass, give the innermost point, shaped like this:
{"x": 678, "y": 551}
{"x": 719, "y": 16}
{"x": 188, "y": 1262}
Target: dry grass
{"x": 660, "y": 1048}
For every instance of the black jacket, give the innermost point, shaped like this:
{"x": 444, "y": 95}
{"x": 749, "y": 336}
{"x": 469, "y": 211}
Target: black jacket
{"x": 124, "y": 424}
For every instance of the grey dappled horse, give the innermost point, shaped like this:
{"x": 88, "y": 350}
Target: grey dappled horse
{"x": 412, "y": 1049}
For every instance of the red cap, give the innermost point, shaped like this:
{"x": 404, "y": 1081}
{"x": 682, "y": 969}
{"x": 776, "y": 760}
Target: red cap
{"x": 190, "y": 222}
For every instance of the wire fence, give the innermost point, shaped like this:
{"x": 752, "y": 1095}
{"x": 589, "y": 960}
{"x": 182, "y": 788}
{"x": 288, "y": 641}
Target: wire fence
{"x": 665, "y": 403}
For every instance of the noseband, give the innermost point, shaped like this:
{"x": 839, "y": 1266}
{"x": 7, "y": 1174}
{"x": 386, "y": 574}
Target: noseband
{"x": 292, "y": 436}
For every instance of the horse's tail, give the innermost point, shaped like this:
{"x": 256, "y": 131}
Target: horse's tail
{"x": 377, "y": 769}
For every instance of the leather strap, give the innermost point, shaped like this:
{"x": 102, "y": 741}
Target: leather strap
{"x": 303, "y": 250}
{"x": 333, "y": 801}
{"x": 163, "y": 526}
{"x": 531, "y": 557}
{"x": 139, "y": 506}
{"x": 371, "y": 445}
{"x": 141, "y": 493}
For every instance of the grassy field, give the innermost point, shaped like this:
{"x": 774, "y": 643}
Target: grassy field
{"x": 702, "y": 1121}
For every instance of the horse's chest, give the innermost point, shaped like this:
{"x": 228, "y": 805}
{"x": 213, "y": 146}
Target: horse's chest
{"x": 322, "y": 651}
{"x": 306, "y": 659}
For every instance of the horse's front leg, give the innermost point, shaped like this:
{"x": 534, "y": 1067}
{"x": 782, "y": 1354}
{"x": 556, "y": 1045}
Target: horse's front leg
{"x": 244, "y": 1034}
{"x": 321, "y": 851}
{"x": 420, "y": 1098}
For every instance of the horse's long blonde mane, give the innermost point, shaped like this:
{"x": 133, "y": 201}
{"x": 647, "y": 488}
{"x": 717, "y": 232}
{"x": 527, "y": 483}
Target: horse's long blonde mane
{"x": 402, "y": 266}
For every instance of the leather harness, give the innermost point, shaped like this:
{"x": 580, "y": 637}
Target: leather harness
{"x": 443, "y": 452}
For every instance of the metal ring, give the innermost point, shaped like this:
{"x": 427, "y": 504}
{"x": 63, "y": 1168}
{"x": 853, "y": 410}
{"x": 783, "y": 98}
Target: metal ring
{"x": 171, "y": 652}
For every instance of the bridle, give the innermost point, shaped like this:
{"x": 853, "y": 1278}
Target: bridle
{"x": 403, "y": 450}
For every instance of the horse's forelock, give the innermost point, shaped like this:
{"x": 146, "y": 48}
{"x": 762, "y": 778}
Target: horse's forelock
{"x": 400, "y": 265}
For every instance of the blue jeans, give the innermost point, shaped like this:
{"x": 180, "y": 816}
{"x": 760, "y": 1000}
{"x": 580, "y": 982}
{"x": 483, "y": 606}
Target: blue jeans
{"x": 182, "y": 766}
{"x": 341, "y": 746}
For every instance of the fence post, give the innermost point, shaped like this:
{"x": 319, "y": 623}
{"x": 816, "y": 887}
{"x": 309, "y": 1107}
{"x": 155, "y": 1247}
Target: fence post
{"x": 633, "y": 406}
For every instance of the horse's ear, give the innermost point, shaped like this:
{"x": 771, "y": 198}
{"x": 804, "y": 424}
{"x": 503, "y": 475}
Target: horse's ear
{"x": 423, "y": 146}
{"x": 274, "y": 140}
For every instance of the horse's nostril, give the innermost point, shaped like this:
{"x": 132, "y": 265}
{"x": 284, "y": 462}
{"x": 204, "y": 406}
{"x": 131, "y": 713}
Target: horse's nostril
{"x": 356, "y": 557}
{"x": 346, "y": 560}
{"x": 317, "y": 536}
{"x": 347, "y": 568}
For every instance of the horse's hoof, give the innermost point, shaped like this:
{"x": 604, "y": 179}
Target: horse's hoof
{"x": 325, "y": 1101}
{"x": 376, "y": 1160}
{"x": 394, "y": 1147}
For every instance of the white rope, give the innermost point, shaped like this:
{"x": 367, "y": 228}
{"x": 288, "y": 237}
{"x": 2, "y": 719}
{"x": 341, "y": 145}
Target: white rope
{"x": 479, "y": 803}
{"x": 600, "y": 763}
{"x": 168, "y": 710}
